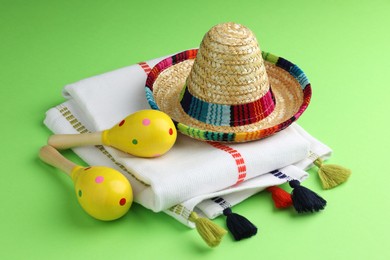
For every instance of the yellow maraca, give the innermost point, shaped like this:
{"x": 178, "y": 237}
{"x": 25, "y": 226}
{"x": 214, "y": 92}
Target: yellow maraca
{"x": 102, "y": 192}
{"x": 145, "y": 133}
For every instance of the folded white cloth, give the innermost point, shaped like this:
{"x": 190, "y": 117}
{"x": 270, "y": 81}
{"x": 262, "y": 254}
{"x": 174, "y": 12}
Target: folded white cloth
{"x": 193, "y": 171}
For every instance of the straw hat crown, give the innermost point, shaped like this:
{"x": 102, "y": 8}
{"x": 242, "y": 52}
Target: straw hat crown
{"x": 228, "y": 68}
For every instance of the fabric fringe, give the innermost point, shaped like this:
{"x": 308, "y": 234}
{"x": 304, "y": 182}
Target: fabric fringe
{"x": 305, "y": 200}
{"x": 238, "y": 225}
{"x": 281, "y": 198}
{"x": 331, "y": 175}
{"x": 211, "y": 233}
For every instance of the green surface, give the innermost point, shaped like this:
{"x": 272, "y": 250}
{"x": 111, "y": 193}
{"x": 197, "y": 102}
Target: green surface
{"x": 343, "y": 47}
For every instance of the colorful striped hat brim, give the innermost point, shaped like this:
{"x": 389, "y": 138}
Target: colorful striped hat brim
{"x": 290, "y": 86}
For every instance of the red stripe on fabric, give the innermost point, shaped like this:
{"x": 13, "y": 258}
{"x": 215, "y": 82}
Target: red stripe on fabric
{"x": 238, "y": 182}
{"x": 241, "y": 176}
{"x": 241, "y": 167}
{"x": 145, "y": 67}
{"x": 240, "y": 160}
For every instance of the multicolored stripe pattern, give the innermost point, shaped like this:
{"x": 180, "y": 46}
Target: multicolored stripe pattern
{"x": 227, "y": 115}
{"x": 206, "y": 135}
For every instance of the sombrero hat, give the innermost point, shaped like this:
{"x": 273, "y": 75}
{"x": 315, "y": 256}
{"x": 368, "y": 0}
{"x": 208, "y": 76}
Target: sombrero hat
{"x": 228, "y": 90}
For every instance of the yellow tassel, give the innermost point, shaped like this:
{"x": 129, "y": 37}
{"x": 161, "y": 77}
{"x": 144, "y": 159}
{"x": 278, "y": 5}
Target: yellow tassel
{"x": 211, "y": 233}
{"x": 331, "y": 175}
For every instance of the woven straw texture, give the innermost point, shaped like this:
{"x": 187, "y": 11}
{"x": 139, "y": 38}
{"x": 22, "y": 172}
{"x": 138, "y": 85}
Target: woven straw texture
{"x": 228, "y": 90}
{"x": 229, "y": 68}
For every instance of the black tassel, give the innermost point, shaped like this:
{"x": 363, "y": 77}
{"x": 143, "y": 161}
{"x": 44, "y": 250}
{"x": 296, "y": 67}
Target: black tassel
{"x": 238, "y": 225}
{"x": 305, "y": 200}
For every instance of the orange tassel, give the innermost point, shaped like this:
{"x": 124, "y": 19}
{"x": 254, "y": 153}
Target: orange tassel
{"x": 282, "y": 199}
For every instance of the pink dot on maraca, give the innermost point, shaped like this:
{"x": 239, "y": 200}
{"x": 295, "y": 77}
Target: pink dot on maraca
{"x": 99, "y": 179}
{"x": 146, "y": 122}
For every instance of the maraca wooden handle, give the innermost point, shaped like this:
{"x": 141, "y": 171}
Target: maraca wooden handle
{"x": 74, "y": 140}
{"x": 51, "y": 156}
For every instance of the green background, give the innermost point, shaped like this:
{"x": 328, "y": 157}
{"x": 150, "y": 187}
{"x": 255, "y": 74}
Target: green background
{"x": 343, "y": 47}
